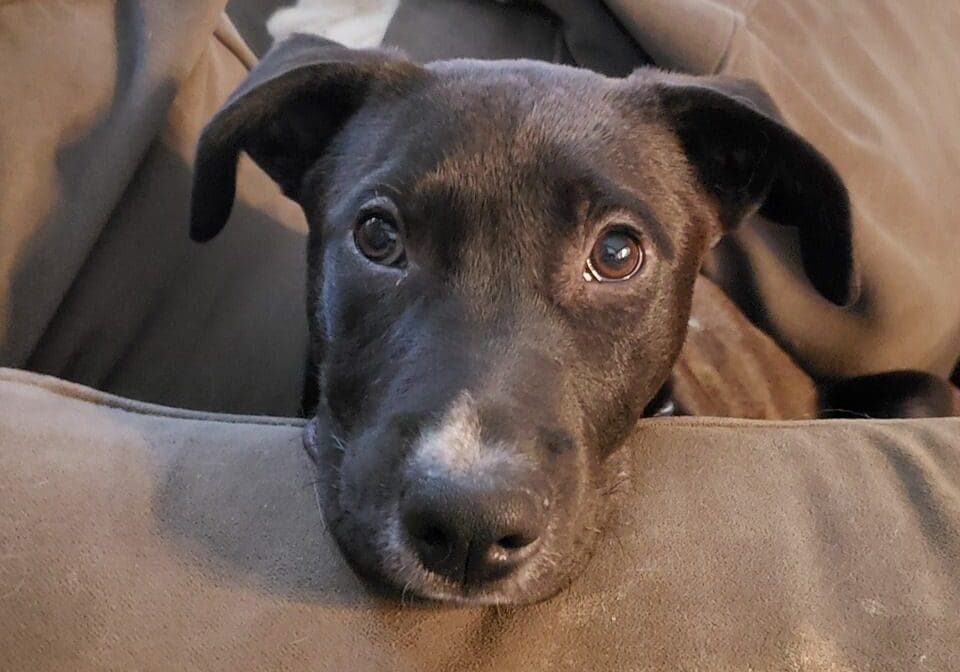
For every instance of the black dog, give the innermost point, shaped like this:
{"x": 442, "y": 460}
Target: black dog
{"x": 502, "y": 258}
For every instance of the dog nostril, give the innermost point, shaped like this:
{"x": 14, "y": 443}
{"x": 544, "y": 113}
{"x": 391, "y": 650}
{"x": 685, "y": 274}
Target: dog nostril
{"x": 514, "y": 542}
{"x": 508, "y": 552}
{"x": 431, "y": 535}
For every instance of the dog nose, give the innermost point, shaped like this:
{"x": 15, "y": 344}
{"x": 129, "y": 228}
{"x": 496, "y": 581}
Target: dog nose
{"x": 473, "y": 533}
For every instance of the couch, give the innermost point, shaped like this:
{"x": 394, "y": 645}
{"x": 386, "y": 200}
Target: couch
{"x": 158, "y": 509}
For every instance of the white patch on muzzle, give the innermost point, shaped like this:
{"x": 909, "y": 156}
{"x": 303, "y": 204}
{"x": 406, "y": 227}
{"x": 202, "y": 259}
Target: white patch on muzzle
{"x": 454, "y": 447}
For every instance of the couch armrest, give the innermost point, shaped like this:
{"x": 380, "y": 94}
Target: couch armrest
{"x": 148, "y": 537}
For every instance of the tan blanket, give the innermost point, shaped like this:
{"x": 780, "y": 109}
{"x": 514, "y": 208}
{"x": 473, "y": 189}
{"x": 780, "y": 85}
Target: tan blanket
{"x": 141, "y": 537}
{"x": 102, "y": 103}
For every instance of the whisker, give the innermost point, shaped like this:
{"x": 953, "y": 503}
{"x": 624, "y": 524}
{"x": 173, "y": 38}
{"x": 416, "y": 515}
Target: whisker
{"x": 341, "y": 446}
{"x": 865, "y": 416}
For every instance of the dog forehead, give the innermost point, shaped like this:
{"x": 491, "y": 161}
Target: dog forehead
{"x": 504, "y": 136}
{"x": 525, "y": 71}
{"x": 521, "y": 98}
{"x": 500, "y": 127}
{"x": 503, "y": 125}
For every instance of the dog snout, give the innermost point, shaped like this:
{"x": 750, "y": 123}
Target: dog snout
{"x": 482, "y": 494}
{"x": 473, "y": 531}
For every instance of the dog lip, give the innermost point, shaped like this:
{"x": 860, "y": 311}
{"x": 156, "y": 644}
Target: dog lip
{"x": 453, "y": 598}
{"x": 436, "y": 589}
{"x": 311, "y": 438}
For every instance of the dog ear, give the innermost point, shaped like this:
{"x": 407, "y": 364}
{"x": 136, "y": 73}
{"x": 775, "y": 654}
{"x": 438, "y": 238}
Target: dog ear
{"x": 283, "y": 115}
{"x": 748, "y": 160}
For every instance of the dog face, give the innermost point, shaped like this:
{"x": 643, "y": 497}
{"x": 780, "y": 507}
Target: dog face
{"x": 502, "y": 258}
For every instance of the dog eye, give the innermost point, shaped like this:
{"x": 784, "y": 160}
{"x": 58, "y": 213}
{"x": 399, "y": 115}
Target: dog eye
{"x": 616, "y": 256}
{"x": 378, "y": 239}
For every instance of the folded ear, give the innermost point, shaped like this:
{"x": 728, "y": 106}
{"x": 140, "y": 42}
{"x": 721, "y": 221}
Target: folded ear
{"x": 748, "y": 160}
{"x": 284, "y": 115}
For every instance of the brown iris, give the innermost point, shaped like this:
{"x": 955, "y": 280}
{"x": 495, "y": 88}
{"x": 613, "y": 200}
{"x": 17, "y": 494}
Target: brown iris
{"x": 617, "y": 255}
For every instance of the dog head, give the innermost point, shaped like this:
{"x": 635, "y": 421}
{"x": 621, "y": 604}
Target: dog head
{"x": 501, "y": 264}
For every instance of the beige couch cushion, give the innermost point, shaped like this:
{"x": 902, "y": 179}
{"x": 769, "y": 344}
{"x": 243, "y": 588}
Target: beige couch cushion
{"x": 142, "y": 537}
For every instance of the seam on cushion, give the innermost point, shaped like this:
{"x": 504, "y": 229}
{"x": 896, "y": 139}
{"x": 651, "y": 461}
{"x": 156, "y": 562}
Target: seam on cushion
{"x": 226, "y": 34}
{"x": 77, "y": 392}
{"x": 735, "y": 27}
{"x": 88, "y": 395}
{"x": 741, "y": 423}
{"x": 741, "y": 20}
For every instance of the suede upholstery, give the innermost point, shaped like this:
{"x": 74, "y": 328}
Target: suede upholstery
{"x": 143, "y": 537}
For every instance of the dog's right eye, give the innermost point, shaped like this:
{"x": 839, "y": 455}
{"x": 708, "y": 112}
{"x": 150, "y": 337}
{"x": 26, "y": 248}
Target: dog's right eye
{"x": 378, "y": 239}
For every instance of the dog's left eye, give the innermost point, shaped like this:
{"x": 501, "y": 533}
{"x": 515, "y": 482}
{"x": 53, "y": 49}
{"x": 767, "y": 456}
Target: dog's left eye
{"x": 617, "y": 255}
{"x": 378, "y": 239}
